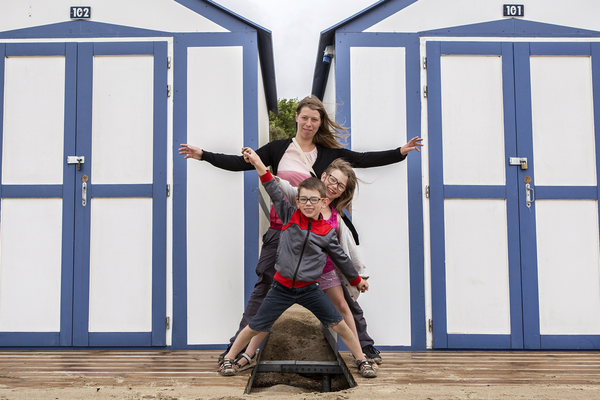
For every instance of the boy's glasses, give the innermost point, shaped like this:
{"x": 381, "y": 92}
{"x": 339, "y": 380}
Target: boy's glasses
{"x": 313, "y": 200}
{"x": 331, "y": 179}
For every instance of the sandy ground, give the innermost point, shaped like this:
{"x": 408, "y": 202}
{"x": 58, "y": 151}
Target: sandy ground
{"x": 425, "y": 392}
{"x": 298, "y": 336}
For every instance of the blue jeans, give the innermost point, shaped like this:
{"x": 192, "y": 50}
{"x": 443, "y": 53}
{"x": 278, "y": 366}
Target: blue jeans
{"x": 280, "y": 298}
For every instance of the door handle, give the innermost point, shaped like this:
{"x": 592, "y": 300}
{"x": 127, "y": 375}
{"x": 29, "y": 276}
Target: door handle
{"x": 529, "y": 195}
{"x": 84, "y": 180}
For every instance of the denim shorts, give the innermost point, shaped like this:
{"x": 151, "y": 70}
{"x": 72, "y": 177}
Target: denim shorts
{"x": 280, "y": 298}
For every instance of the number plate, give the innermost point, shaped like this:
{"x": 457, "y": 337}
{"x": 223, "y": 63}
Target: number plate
{"x": 513, "y": 10}
{"x": 81, "y": 12}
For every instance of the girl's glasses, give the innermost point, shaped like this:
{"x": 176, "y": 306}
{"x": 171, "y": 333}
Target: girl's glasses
{"x": 313, "y": 200}
{"x": 331, "y": 179}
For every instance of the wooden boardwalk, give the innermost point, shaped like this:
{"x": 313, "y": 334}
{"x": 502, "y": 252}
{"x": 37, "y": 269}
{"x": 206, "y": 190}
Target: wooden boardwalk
{"x": 483, "y": 368}
{"x": 85, "y": 368}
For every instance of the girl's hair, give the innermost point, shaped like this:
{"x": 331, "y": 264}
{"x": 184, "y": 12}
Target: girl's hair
{"x": 330, "y": 132}
{"x": 343, "y": 202}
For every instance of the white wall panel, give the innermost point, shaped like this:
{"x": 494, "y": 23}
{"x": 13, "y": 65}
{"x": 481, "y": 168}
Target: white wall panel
{"x": 563, "y": 117}
{"x": 33, "y": 138}
{"x": 472, "y": 120}
{"x": 161, "y": 15}
{"x": 122, "y": 123}
{"x": 30, "y": 265}
{"x": 568, "y": 266}
{"x": 121, "y": 265}
{"x": 215, "y": 198}
{"x": 379, "y": 122}
{"x": 477, "y": 292}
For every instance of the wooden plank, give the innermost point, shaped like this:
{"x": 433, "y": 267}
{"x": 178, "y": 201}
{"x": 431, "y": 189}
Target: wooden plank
{"x": 81, "y": 368}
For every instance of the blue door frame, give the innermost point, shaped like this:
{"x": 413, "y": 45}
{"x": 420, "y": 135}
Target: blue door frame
{"x": 521, "y": 228}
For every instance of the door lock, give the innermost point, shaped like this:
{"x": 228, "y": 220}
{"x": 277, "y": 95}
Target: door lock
{"x": 76, "y": 160}
{"x": 522, "y": 161}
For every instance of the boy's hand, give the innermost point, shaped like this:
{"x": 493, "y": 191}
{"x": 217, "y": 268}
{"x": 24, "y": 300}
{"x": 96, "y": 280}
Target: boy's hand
{"x": 363, "y": 286}
{"x": 251, "y": 157}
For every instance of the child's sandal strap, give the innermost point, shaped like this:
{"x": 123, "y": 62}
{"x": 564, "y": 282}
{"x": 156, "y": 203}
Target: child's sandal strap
{"x": 365, "y": 368}
{"x": 226, "y": 367}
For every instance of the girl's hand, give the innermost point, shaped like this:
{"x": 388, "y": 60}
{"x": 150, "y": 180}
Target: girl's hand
{"x": 251, "y": 157}
{"x": 363, "y": 286}
{"x": 413, "y": 144}
{"x": 191, "y": 151}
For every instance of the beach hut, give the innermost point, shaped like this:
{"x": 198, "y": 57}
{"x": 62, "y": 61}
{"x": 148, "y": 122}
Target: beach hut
{"x": 107, "y": 236}
{"x": 489, "y": 239}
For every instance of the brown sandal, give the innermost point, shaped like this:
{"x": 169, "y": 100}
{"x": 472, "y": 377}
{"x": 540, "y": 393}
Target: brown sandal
{"x": 250, "y": 362}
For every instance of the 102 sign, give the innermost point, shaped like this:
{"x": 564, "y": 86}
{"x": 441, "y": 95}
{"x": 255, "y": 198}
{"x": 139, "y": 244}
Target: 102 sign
{"x": 514, "y": 10}
{"x": 81, "y": 12}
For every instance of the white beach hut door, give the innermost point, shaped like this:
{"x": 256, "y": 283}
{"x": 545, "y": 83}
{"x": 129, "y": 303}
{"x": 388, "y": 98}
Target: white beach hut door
{"x": 120, "y": 207}
{"x": 37, "y": 128}
{"x": 83, "y": 194}
{"x": 515, "y": 237}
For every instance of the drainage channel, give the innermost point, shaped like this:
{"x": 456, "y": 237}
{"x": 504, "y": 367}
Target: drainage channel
{"x": 324, "y": 368}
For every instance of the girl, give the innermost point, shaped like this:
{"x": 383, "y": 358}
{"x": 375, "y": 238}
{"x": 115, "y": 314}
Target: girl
{"x": 340, "y": 182}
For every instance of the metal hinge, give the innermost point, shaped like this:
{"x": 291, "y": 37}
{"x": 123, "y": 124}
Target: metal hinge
{"x": 425, "y": 91}
{"x": 430, "y": 325}
{"x": 168, "y": 62}
{"x": 427, "y": 191}
{"x": 168, "y": 323}
{"x": 424, "y": 62}
{"x": 168, "y": 90}
{"x": 168, "y": 189}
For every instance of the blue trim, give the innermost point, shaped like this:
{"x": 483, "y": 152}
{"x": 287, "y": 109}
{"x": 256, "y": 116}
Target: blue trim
{"x": 440, "y": 192}
{"x": 132, "y": 190}
{"x": 413, "y": 111}
{"x": 81, "y": 273}
{"x": 488, "y": 342}
{"x": 159, "y": 197}
{"x": 121, "y": 338}
{"x": 511, "y": 28}
{"x": 66, "y": 318}
{"x": 474, "y": 192}
{"x": 35, "y": 49}
{"x": 125, "y": 48}
{"x": 436, "y": 196}
{"x": 251, "y": 212}
{"x": 33, "y": 191}
{"x": 11, "y": 339}
{"x": 566, "y": 192}
{"x": 571, "y": 342}
{"x": 80, "y": 29}
{"x": 529, "y": 274}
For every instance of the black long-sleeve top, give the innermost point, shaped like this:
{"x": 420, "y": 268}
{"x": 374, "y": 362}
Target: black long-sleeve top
{"x": 272, "y": 152}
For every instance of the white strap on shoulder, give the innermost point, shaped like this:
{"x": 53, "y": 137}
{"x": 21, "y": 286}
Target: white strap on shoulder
{"x": 310, "y": 168}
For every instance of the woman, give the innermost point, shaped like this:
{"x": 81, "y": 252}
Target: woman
{"x": 318, "y": 138}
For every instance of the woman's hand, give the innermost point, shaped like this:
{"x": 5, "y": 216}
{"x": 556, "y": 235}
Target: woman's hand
{"x": 191, "y": 151}
{"x": 413, "y": 144}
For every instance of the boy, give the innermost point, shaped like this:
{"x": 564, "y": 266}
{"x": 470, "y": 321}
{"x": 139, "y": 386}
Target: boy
{"x": 304, "y": 240}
